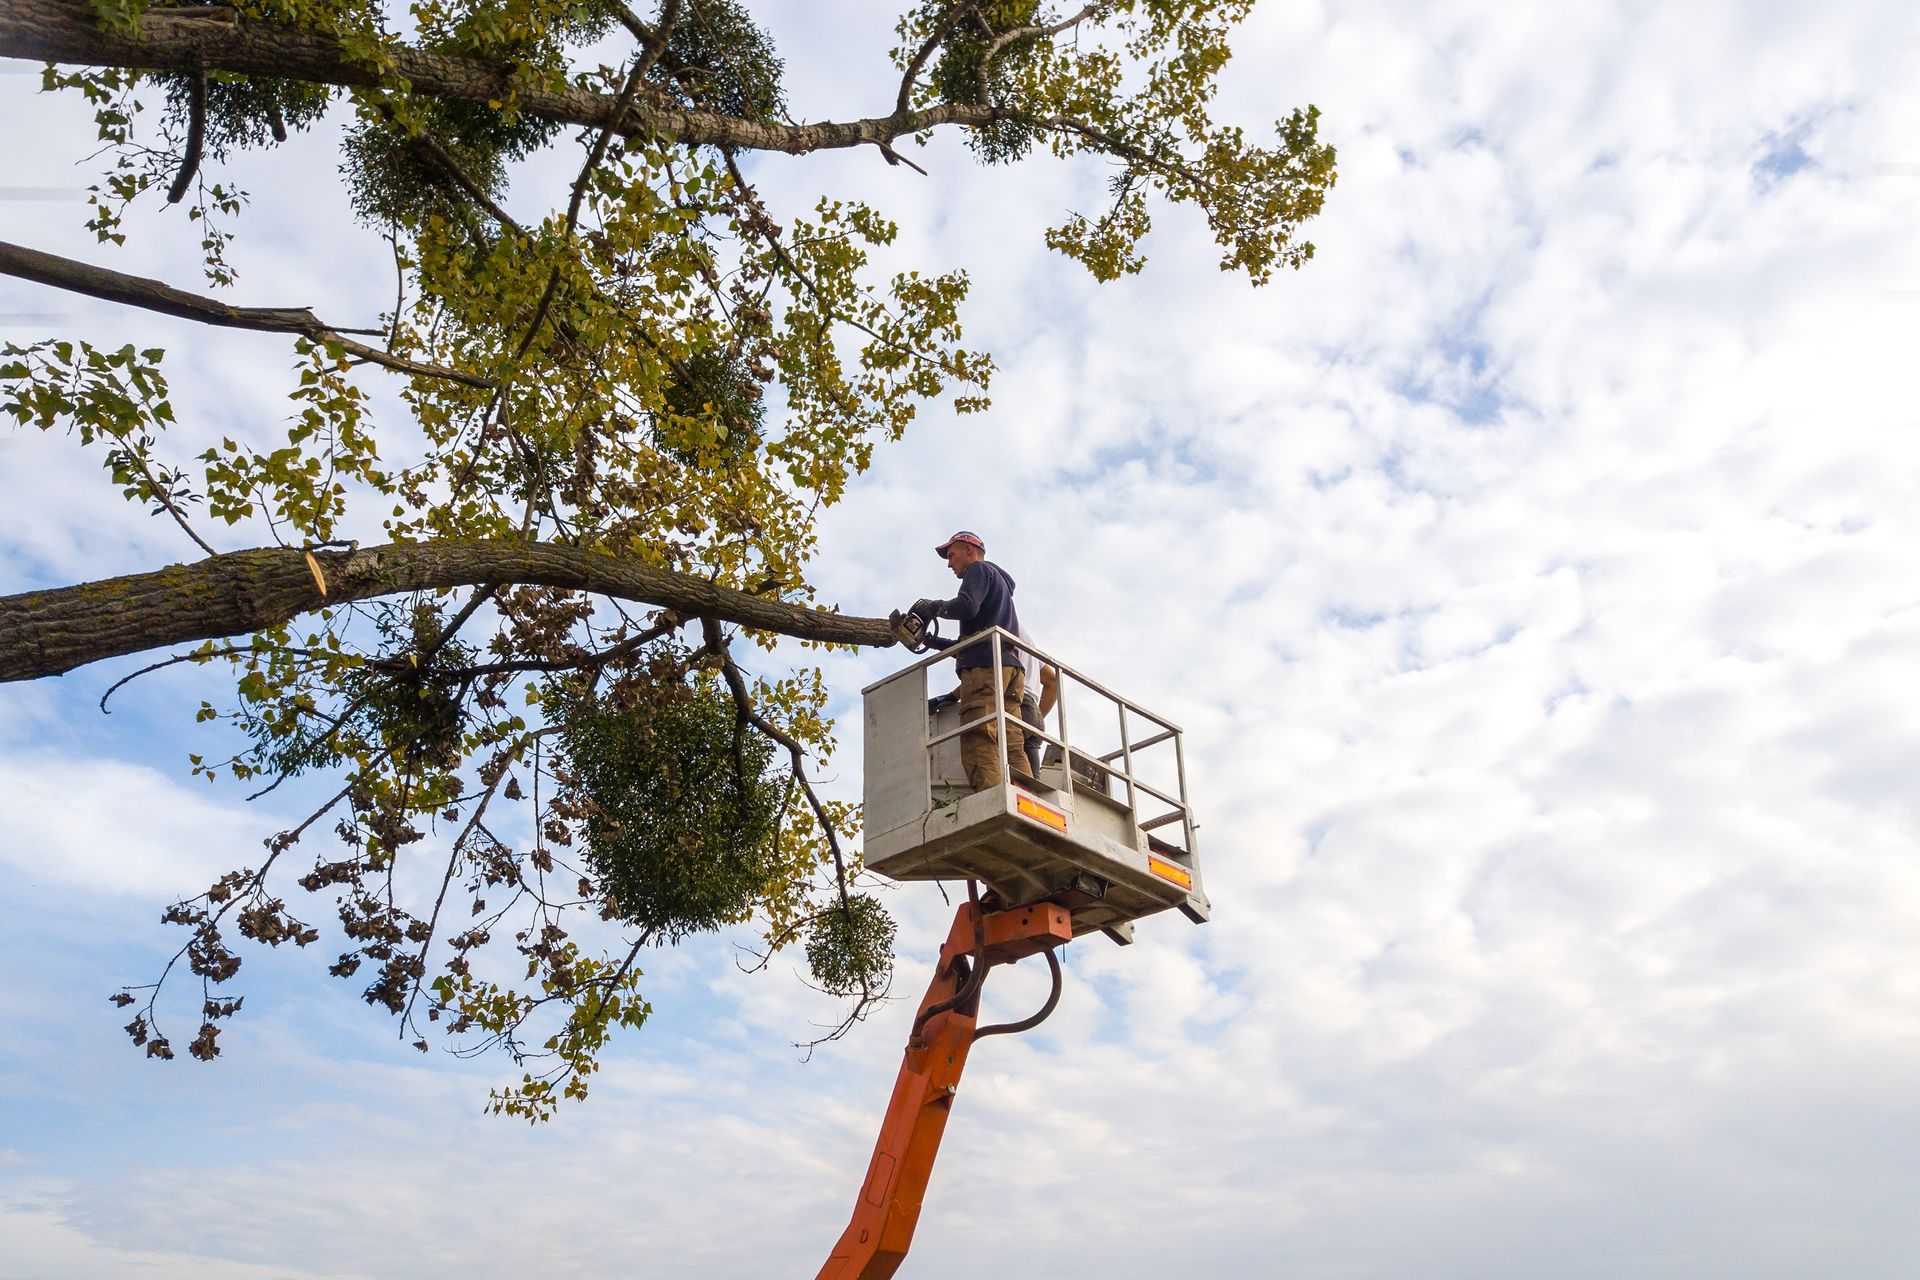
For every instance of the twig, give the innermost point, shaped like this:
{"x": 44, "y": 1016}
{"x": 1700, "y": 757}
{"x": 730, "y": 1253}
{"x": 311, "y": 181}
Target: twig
{"x": 894, "y": 157}
{"x": 586, "y": 661}
{"x": 195, "y": 656}
{"x": 459, "y": 620}
{"x": 743, "y": 705}
{"x": 453, "y": 859}
{"x": 595, "y": 155}
{"x": 1131, "y": 151}
{"x": 165, "y": 499}
{"x": 275, "y": 847}
{"x": 654, "y": 45}
{"x": 399, "y": 283}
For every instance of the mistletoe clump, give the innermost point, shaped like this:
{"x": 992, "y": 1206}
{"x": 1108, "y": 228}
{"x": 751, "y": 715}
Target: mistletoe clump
{"x": 850, "y": 947}
{"x": 679, "y": 801}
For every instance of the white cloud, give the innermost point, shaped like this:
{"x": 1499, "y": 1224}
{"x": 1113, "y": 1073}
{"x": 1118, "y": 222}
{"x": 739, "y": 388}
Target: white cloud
{"x": 110, "y": 827}
{"x": 43, "y": 1245}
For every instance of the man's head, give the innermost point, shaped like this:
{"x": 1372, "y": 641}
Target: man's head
{"x": 961, "y": 550}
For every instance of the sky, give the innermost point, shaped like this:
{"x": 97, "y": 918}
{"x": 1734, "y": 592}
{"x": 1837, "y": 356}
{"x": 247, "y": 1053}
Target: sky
{"x": 1536, "y": 577}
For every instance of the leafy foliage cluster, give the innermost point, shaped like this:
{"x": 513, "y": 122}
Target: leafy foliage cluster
{"x": 659, "y": 368}
{"x": 1137, "y": 90}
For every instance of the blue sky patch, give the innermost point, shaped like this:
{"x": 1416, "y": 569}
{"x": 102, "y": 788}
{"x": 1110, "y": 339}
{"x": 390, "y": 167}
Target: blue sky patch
{"x": 1784, "y": 156}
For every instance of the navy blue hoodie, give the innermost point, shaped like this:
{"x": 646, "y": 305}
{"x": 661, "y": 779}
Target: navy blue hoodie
{"x": 985, "y": 600}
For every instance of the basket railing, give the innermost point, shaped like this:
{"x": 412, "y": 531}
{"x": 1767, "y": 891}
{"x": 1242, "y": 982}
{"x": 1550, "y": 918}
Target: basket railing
{"x": 1118, "y": 764}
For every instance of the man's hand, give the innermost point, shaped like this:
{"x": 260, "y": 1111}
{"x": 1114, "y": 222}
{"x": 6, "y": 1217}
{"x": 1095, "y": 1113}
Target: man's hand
{"x": 925, "y": 610}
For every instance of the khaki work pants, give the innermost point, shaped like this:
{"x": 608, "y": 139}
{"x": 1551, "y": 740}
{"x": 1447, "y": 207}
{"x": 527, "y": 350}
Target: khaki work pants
{"x": 979, "y": 748}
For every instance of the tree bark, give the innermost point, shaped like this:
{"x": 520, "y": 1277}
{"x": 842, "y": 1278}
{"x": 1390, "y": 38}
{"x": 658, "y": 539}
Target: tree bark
{"x": 220, "y": 39}
{"x": 45, "y": 633}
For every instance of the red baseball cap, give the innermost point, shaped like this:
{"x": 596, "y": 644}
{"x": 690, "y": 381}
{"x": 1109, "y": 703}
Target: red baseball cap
{"x": 972, "y": 539}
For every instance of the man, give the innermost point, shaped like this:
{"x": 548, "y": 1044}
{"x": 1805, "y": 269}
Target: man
{"x": 985, "y": 600}
{"x": 1042, "y": 691}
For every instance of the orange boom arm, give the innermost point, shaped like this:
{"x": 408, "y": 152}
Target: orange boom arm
{"x": 876, "y": 1240}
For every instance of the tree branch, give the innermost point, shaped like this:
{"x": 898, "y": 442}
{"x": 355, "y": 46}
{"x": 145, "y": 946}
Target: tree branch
{"x": 196, "y": 138}
{"x": 194, "y": 656}
{"x": 44, "y": 633}
{"x": 428, "y": 148}
{"x": 743, "y": 704}
{"x": 918, "y": 63}
{"x": 653, "y": 44}
{"x": 595, "y": 155}
{"x": 744, "y": 708}
{"x": 453, "y": 861}
{"x": 219, "y": 39}
{"x": 164, "y": 496}
{"x": 1139, "y": 155}
{"x": 1006, "y": 38}
{"x": 152, "y": 295}
{"x": 762, "y": 225}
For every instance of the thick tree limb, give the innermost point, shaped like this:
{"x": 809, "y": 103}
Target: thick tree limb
{"x": 196, "y": 138}
{"x": 45, "y": 633}
{"x": 152, "y": 295}
{"x": 220, "y": 39}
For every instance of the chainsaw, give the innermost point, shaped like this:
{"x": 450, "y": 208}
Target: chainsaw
{"x": 913, "y": 630}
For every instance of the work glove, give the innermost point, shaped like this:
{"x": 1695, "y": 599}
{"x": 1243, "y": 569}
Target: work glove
{"x": 925, "y": 610}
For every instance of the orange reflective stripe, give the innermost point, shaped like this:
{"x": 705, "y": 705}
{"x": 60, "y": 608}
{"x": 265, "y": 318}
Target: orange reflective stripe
{"x": 1031, "y": 808}
{"x": 1170, "y": 871}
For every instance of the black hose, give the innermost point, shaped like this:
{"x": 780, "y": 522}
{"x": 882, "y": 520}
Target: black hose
{"x": 1028, "y": 1024}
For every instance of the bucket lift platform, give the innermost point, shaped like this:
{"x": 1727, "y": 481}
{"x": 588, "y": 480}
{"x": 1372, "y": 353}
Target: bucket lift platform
{"x": 1095, "y": 836}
